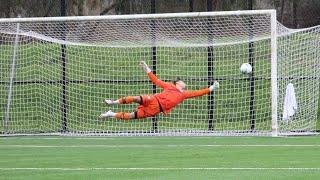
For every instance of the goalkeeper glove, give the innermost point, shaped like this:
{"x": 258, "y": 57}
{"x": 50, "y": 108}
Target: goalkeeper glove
{"x": 215, "y": 86}
{"x": 145, "y": 66}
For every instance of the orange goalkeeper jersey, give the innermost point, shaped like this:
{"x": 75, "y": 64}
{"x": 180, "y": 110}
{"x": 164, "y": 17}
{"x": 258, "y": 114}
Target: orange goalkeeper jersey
{"x": 171, "y": 96}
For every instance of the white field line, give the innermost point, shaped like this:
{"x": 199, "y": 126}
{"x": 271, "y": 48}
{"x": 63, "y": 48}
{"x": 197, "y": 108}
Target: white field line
{"x": 154, "y": 146}
{"x": 136, "y": 137}
{"x": 64, "y": 138}
{"x": 114, "y": 138}
{"x": 160, "y": 168}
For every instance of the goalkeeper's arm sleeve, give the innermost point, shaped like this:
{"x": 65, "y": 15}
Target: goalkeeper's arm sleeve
{"x": 157, "y": 81}
{"x": 191, "y": 94}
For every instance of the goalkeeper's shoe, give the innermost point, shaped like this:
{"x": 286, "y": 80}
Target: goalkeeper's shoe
{"x": 107, "y": 114}
{"x": 108, "y": 102}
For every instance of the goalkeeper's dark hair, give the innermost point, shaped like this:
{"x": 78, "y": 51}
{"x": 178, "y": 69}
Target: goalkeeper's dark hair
{"x": 176, "y": 80}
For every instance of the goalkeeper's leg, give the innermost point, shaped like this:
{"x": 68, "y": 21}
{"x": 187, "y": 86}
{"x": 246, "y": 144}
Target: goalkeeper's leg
{"x": 148, "y": 108}
{"x": 118, "y": 115}
{"x": 125, "y": 100}
{"x": 139, "y": 114}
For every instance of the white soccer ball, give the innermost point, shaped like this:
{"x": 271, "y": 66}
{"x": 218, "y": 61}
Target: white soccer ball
{"x": 246, "y": 68}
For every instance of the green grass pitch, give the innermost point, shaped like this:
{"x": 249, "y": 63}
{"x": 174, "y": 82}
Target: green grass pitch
{"x": 160, "y": 158}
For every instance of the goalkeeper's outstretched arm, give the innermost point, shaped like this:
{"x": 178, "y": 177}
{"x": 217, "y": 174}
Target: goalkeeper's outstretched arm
{"x": 153, "y": 77}
{"x": 191, "y": 94}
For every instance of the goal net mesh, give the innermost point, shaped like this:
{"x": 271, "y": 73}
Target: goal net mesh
{"x": 55, "y": 74}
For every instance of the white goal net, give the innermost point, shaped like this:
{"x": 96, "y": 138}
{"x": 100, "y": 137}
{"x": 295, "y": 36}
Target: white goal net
{"x": 56, "y": 72}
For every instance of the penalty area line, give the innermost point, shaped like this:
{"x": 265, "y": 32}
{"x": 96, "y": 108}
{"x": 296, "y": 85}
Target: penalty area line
{"x": 160, "y": 168}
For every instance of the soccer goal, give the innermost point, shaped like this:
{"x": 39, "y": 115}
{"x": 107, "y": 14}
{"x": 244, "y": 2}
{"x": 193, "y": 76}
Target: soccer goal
{"x": 56, "y": 72}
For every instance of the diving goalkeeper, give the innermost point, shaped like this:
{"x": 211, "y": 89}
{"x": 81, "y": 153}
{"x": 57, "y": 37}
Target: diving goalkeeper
{"x": 151, "y": 105}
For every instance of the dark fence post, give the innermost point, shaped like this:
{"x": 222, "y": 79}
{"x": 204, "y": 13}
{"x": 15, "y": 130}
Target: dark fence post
{"x": 251, "y": 76}
{"x": 154, "y": 59}
{"x": 190, "y": 5}
{"x": 210, "y": 70}
{"x": 64, "y": 74}
{"x": 294, "y": 16}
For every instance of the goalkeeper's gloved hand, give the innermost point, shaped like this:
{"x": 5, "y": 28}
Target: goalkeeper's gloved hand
{"x": 215, "y": 86}
{"x": 145, "y": 66}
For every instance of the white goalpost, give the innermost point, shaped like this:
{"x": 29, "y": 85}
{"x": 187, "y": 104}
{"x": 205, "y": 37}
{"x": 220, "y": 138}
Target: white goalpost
{"x": 274, "y": 76}
{"x": 56, "y": 72}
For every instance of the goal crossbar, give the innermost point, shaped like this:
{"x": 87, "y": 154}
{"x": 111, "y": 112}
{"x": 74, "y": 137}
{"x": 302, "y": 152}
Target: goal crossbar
{"x": 134, "y": 16}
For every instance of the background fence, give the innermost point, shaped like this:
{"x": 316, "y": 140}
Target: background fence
{"x": 291, "y": 13}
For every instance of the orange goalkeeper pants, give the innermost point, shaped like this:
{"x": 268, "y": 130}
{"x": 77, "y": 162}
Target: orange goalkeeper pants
{"x": 149, "y": 107}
